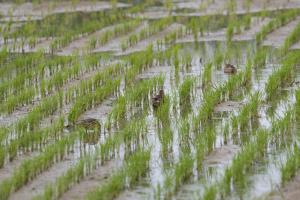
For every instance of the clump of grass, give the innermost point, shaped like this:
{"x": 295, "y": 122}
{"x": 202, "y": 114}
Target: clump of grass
{"x": 163, "y": 111}
{"x": 185, "y": 90}
{"x": 259, "y": 60}
{"x": 292, "y": 38}
{"x": 118, "y": 30}
{"x": 282, "y": 76}
{"x": 218, "y": 57}
{"x": 207, "y": 75}
{"x": 179, "y": 175}
{"x": 210, "y": 193}
{"x": 132, "y": 131}
{"x": 47, "y": 107}
{"x": 298, "y": 104}
{"x": 248, "y": 113}
{"x": 236, "y": 174}
{"x": 154, "y": 27}
{"x": 290, "y": 168}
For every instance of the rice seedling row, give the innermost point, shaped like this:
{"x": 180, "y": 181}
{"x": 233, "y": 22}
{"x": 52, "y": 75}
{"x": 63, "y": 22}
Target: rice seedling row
{"x": 164, "y": 132}
{"x": 51, "y": 104}
{"x": 131, "y": 131}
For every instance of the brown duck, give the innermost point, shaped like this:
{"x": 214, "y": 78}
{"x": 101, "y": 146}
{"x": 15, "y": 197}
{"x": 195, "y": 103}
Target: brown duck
{"x": 158, "y": 99}
{"x": 89, "y": 124}
{"x": 229, "y": 69}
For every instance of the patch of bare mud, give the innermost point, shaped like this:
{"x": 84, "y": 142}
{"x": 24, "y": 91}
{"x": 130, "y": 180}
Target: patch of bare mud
{"x": 222, "y": 155}
{"x": 296, "y": 46}
{"x": 289, "y": 192}
{"x": 9, "y": 167}
{"x": 7, "y": 120}
{"x": 203, "y": 5}
{"x": 277, "y": 37}
{"x": 37, "y": 185}
{"x": 91, "y": 182}
{"x": 257, "y": 25}
{"x": 142, "y": 45}
{"x": 139, "y": 192}
{"x": 228, "y": 106}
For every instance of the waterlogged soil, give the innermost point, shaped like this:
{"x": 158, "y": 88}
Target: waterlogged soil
{"x": 93, "y": 181}
{"x": 9, "y": 167}
{"x": 277, "y": 37}
{"x": 141, "y": 192}
{"x": 295, "y": 46}
{"x": 291, "y": 191}
{"x": 222, "y": 155}
{"x": 7, "y": 120}
{"x": 228, "y": 106}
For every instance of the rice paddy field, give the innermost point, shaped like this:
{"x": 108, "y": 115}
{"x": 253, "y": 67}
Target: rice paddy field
{"x": 133, "y": 100}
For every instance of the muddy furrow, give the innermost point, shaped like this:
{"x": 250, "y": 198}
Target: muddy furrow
{"x": 277, "y": 37}
{"x": 81, "y": 45}
{"x": 142, "y": 45}
{"x": 37, "y": 185}
{"x": 115, "y": 44}
{"x": 98, "y": 177}
{"x": 8, "y": 169}
{"x": 289, "y": 192}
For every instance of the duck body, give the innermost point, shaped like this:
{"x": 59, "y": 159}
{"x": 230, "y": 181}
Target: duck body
{"x": 89, "y": 124}
{"x": 158, "y": 99}
{"x": 229, "y": 69}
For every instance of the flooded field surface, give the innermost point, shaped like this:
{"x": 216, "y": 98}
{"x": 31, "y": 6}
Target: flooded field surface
{"x": 139, "y": 100}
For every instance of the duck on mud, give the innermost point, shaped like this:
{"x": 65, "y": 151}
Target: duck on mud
{"x": 229, "y": 69}
{"x": 158, "y": 99}
{"x": 89, "y": 124}
{"x": 92, "y": 128}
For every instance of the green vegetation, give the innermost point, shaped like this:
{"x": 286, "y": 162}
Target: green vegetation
{"x": 165, "y": 112}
